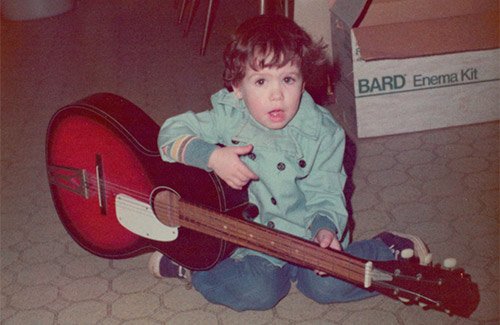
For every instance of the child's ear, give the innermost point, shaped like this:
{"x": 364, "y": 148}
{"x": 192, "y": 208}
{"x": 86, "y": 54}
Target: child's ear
{"x": 237, "y": 91}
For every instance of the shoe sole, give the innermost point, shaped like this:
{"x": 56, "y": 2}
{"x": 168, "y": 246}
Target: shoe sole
{"x": 154, "y": 264}
{"x": 419, "y": 248}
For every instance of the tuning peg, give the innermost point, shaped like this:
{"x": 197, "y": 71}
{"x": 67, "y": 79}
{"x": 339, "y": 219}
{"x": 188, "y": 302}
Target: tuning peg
{"x": 428, "y": 259}
{"x": 407, "y": 253}
{"x": 449, "y": 263}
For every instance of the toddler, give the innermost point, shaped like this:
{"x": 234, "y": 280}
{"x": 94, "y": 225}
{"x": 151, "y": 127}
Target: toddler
{"x": 289, "y": 151}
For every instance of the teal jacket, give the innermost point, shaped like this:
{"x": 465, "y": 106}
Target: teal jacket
{"x": 301, "y": 176}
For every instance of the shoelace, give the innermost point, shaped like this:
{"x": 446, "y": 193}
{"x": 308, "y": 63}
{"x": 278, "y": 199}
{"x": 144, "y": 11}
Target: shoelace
{"x": 185, "y": 274}
{"x": 395, "y": 252}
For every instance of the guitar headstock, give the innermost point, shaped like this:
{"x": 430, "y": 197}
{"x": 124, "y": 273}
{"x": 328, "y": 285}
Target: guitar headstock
{"x": 450, "y": 291}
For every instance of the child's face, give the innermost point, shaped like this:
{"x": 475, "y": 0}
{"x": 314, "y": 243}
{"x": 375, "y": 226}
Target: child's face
{"x": 272, "y": 95}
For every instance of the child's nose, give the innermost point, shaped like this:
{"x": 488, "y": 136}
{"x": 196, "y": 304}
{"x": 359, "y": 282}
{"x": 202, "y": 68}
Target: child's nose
{"x": 276, "y": 92}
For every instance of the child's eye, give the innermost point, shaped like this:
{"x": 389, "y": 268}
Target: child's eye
{"x": 289, "y": 80}
{"x": 260, "y": 82}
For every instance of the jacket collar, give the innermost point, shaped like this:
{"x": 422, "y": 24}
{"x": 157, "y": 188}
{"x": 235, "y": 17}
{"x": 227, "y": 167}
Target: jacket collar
{"x": 306, "y": 121}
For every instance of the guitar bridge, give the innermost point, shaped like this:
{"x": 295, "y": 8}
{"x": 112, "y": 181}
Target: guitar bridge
{"x": 71, "y": 179}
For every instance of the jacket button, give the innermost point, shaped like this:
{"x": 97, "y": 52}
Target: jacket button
{"x": 273, "y": 201}
{"x": 235, "y": 141}
{"x": 302, "y": 163}
{"x": 281, "y": 166}
{"x": 252, "y": 156}
{"x": 270, "y": 224}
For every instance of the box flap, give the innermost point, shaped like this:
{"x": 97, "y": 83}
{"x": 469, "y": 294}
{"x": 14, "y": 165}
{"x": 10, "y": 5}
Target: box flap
{"x": 428, "y": 37}
{"x": 385, "y": 12}
{"x": 357, "y": 13}
{"x": 350, "y": 11}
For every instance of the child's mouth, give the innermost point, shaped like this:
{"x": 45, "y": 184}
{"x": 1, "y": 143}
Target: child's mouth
{"x": 277, "y": 115}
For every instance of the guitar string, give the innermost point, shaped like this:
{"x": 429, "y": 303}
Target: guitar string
{"x": 397, "y": 289}
{"x": 269, "y": 240}
{"x": 171, "y": 209}
{"x": 139, "y": 209}
{"x": 242, "y": 233}
{"x": 280, "y": 246}
{"x": 116, "y": 189}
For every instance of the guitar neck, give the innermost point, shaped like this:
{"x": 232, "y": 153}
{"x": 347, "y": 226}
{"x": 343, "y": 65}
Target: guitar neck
{"x": 274, "y": 243}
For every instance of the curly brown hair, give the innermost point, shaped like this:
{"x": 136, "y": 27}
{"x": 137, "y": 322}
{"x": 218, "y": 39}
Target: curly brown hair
{"x": 270, "y": 41}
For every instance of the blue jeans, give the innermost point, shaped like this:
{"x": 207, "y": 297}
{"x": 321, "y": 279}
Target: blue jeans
{"x": 253, "y": 283}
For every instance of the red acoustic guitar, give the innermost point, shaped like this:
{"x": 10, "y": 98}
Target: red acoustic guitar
{"x": 117, "y": 199}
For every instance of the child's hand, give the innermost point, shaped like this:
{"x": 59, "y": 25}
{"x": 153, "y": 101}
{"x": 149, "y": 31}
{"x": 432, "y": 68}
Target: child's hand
{"x": 227, "y": 165}
{"x": 326, "y": 238}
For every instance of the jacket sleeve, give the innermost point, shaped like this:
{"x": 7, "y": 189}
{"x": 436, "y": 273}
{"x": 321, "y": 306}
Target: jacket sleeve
{"x": 189, "y": 138}
{"x": 324, "y": 186}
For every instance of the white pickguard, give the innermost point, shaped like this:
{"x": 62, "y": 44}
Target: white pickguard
{"x": 138, "y": 217}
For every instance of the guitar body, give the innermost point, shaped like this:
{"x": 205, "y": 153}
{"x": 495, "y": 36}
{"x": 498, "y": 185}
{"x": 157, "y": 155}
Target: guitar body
{"x": 104, "y": 146}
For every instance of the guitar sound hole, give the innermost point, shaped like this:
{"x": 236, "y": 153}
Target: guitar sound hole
{"x": 165, "y": 203}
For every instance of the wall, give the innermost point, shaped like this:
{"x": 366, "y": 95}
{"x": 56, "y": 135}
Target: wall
{"x": 314, "y": 17}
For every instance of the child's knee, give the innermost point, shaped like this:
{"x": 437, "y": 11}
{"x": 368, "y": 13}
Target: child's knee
{"x": 327, "y": 289}
{"x": 264, "y": 300}
{"x": 323, "y": 292}
{"x": 255, "y": 284}
{"x": 260, "y": 295}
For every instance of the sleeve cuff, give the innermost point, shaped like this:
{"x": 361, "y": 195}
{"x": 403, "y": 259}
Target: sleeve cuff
{"x": 321, "y": 222}
{"x": 198, "y": 152}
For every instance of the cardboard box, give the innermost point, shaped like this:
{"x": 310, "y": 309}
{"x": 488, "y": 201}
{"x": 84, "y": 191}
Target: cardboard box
{"x": 412, "y": 65}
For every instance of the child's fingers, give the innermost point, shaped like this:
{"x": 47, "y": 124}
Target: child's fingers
{"x": 336, "y": 244}
{"x": 244, "y": 149}
{"x": 249, "y": 174}
{"x": 325, "y": 241}
{"x": 246, "y": 174}
{"x": 324, "y": 238}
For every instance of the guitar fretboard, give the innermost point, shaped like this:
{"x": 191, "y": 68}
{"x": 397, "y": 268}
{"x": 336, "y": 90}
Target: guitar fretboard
{"x": 271, "y": 242}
